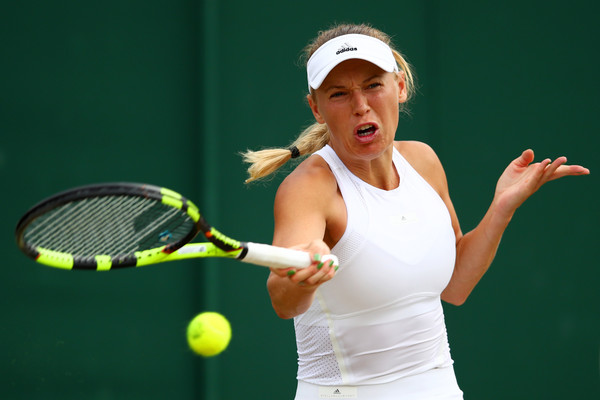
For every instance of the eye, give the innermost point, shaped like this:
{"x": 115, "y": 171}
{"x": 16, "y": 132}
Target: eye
{"x": 336, "y": 95}
{"x": 374, "y": 85}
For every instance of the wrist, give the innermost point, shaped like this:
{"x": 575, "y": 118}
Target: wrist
{"x": 502, "y": 210}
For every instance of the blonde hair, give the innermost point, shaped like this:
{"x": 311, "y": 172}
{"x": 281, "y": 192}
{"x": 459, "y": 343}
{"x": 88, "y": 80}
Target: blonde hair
{"x": 316, "y": 136}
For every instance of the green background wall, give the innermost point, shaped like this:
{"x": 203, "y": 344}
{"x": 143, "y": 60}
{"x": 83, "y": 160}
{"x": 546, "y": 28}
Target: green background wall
{"x": 94, "y": 91}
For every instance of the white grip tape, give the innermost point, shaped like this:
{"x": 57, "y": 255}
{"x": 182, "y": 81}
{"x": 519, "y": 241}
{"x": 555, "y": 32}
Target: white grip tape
{"x": 280, "y": 257}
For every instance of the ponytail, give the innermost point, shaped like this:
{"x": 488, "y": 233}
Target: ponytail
{"x": 265, "y": 162}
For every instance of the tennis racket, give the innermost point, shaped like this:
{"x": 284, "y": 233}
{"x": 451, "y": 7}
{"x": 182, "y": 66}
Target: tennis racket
{"x": 117, "y": 225}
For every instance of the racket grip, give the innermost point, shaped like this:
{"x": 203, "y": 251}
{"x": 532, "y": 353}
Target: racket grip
{"x": 280, "y": 257}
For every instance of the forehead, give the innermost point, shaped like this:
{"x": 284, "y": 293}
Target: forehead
{"x": 354, "y": 70}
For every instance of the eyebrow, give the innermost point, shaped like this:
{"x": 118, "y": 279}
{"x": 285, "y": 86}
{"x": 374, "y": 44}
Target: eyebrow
{"x": 331, "y": 87}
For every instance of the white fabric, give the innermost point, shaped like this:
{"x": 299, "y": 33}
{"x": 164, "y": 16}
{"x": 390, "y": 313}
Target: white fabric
{"x": 435, "y": 384}
{"x": 347, "y": 47}
{"x": 381, "y": 319}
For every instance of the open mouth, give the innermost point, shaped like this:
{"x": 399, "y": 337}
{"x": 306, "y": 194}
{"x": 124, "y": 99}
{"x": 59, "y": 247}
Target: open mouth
{"x": 366, "y": 130}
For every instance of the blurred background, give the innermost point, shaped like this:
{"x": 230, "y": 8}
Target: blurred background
{"x": 170, "y": 92}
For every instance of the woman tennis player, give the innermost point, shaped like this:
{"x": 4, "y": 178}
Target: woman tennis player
{"x": 374, "y": 328}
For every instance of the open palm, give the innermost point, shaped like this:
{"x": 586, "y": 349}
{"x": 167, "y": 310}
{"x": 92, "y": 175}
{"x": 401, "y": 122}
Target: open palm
{"x": 522, "y": 178}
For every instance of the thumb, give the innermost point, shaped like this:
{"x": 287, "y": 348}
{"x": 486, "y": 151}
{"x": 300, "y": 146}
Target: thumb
{"x": 525, "y": 158}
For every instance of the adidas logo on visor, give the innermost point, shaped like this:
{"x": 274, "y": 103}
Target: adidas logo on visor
{"x": 346, "y": 47}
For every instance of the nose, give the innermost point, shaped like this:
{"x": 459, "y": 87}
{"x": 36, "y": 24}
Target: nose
{"x": 360, "y": 104}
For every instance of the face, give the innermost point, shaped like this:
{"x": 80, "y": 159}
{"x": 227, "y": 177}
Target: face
{"x": 359, "y": 102}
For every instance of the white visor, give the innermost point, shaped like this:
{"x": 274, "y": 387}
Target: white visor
{"x": 344, "y": 48}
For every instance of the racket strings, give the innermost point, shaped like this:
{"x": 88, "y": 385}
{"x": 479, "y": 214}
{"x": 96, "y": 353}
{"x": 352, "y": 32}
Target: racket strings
{"x": 114, "y": 225}
{"x": 78, "y": 227}
{"x": 72, "y": 227}
{"x": 128, "y": 230}
{"x": 105, "y": 239}
{"x": 50, "y": 229}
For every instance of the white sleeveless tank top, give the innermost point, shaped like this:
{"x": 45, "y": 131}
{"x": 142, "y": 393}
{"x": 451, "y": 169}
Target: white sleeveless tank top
{"x": 380, "y": 319}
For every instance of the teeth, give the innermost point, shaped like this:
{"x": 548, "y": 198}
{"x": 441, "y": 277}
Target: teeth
{"x": 365, "y": 129}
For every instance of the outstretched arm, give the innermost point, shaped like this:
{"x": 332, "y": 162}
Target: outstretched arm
{"x": 302, "y": 207}
{"x": 476, "y": 249}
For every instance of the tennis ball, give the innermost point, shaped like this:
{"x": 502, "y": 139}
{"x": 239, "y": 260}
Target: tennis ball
{"x": 208, "y": 334}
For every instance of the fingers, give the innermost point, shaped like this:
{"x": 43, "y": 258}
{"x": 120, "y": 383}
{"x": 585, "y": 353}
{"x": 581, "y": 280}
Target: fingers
{"x": 550, "y": 168}
{"x": 319, "y": 272}
{"x": 525, "y": 158}
{"x": 558, "y": 169}
{"x": 547, "y": 169}
{"x": 522, "y": 178}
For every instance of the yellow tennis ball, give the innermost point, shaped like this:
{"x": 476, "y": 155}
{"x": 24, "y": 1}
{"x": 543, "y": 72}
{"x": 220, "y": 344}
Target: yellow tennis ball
{"x": 208, "y": 334}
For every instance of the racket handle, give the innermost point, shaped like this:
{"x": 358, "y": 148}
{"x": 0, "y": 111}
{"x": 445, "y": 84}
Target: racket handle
{"x": 280, "y": 257}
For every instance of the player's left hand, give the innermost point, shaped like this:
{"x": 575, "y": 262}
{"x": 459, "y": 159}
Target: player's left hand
{"x": 522, "y": 178}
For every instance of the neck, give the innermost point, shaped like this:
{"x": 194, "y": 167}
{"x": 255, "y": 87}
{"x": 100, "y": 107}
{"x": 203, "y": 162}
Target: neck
{"x": 378, "y": 172}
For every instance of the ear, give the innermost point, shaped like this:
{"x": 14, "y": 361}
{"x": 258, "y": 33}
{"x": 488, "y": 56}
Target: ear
{"x": 402, "y": 93}
{"x": 315, "y": 109}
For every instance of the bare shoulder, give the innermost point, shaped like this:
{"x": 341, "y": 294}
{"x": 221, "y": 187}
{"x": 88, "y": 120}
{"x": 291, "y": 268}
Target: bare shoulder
{"x": 307, "y": 204}
{"x": 313, "y": 175}
{"x": 420, "y": 155}
{"x": 425, "y": 161}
